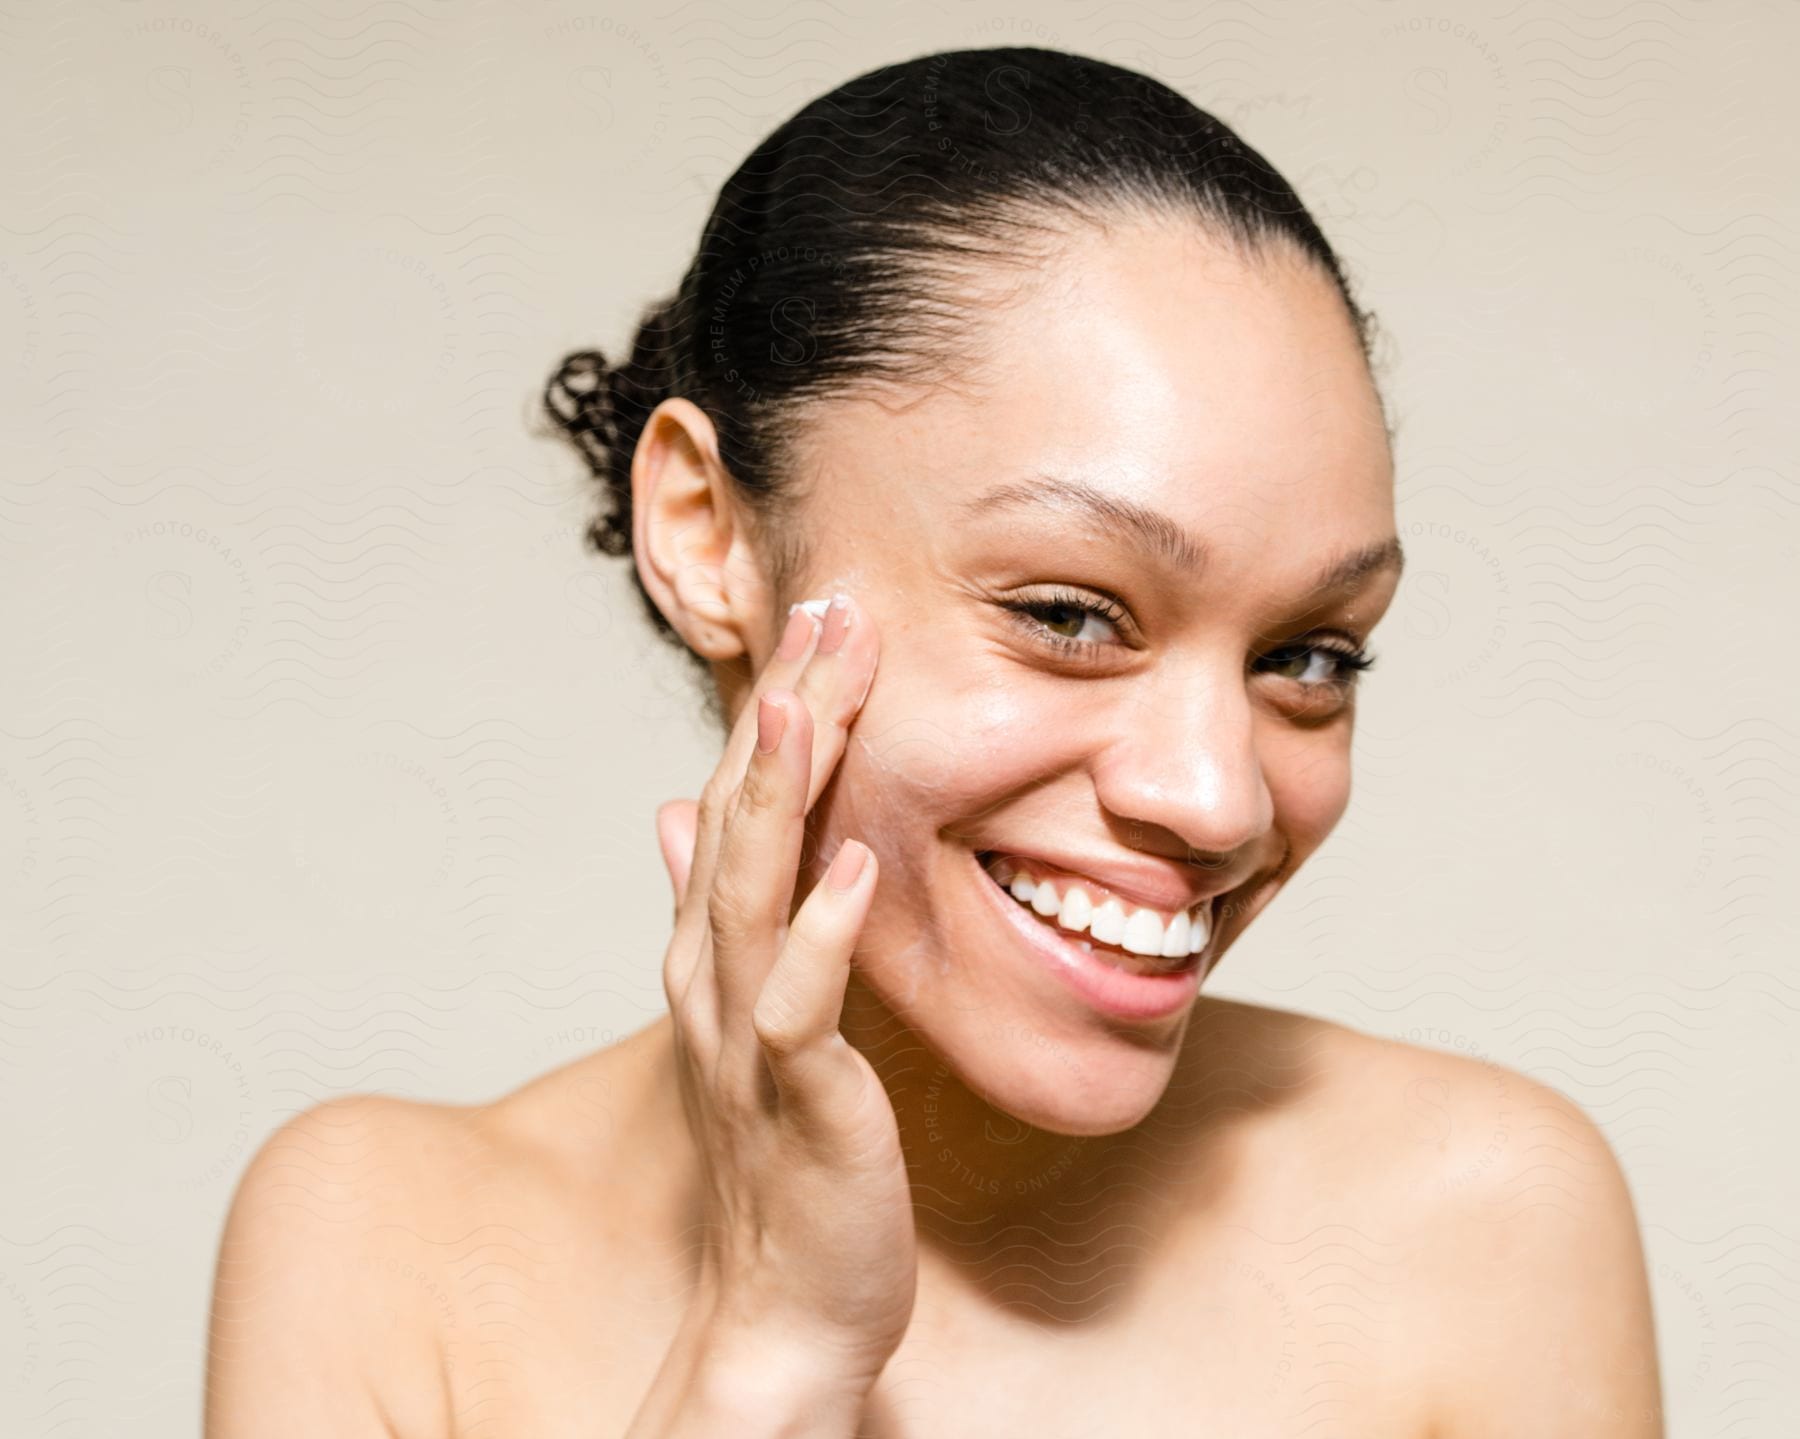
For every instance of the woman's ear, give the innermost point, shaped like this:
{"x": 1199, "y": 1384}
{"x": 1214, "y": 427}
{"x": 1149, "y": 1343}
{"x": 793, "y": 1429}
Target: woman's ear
{"x": 689, "y": 538}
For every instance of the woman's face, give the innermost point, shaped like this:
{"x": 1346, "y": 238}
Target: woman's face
{"x": 1190, "y": 443}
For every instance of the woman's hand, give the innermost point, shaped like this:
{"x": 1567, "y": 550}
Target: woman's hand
{"x": 811, "y": 1262}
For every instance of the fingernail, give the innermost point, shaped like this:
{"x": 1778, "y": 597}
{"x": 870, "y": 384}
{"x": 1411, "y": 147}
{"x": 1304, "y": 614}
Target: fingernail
{"x": 837, "y": 625}
{"x": 771, "y": 720}
{"x": 799, "y": 630}
{"x": 847, "y": 864}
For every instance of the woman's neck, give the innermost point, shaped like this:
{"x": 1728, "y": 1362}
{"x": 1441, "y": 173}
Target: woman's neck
{"x": 984, "y": 1182}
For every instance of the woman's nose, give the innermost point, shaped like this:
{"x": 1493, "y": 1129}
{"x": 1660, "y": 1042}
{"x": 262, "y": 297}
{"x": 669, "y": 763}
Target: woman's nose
{"x": 1185, "y": 760}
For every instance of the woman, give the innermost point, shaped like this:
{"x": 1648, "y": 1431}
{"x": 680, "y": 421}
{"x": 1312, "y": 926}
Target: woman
{"x": 1011, "y": 462}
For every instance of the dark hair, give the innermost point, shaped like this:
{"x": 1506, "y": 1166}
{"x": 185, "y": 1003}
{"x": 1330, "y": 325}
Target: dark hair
{"x": 833, "y": 255}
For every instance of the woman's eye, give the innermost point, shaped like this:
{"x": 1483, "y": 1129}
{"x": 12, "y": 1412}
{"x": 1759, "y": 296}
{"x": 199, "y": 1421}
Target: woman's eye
{"x": 1080, "y": 625}
{"x": 1090, "y": 627}
{"x": 1074, "y": 622}
{"x": 1317, "y": 666}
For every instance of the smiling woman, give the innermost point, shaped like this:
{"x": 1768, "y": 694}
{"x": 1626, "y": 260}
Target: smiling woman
{"x": 1011, "y": 463}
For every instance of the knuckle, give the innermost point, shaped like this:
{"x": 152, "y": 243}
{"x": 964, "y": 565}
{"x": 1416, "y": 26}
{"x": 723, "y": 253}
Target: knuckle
{"x": 678, "y": 984}
{"x": 761, "y": 789}
{"x": 689, "y": 1020}
{"x": 715, "y": 796}
{"x": 675, "y": 980}
{"x": 687, "y": 1031}
{"x": 773, "y": 1023}
{"x": 733, "y": 908}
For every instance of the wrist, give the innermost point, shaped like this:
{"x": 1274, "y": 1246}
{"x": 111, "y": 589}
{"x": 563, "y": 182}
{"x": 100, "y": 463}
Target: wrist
{"x": 774, "y": 1389}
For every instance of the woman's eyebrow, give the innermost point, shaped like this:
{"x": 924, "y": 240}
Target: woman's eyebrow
{"x": 1154, "y": 530}
{"x": 1159, "y": 534}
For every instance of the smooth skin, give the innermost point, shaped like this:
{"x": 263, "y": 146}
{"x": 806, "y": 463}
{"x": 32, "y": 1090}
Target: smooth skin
{"x": 877, "y": 1172}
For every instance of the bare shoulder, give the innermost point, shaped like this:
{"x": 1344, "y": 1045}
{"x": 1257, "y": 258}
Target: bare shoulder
{"x": 342, "y": 1296}
{"x": 1468, "y": 1141}
{"x": 307, "y": 1326}
{"x": 1509, "y": 1219}
{"x": 1453, "y": 1129}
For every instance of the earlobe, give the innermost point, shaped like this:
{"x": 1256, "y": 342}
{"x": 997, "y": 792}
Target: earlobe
{"x": 687, "y": 538}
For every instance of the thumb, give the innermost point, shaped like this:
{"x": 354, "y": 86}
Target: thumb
{"x": 677, "y": 823}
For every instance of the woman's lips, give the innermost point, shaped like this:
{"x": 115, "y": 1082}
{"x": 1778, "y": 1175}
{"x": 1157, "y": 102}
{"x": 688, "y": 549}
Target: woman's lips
{"x": 1143, "y": 884}
{"x": 1104, "y": 977}
{"x": 1158, "y": 938}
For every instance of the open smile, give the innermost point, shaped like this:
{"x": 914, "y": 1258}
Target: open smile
{"x": 1123, "y": 971}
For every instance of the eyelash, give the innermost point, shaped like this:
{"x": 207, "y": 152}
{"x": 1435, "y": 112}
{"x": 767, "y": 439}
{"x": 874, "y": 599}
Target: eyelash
{"x": 1107, "y": 609}
{"x": 1352, "y": 661}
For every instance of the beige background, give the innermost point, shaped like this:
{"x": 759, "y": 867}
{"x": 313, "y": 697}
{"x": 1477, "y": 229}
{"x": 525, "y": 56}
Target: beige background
{"x": 327, "y": 757}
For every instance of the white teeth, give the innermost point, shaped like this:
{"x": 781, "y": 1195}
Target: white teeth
{"x": 1175, "y": 938}
{"x": 1142, "y": 932}
{"x": 1108, "y": 923}
{"x": 1077, "y": 909}
{"x": 1201, "y": 929}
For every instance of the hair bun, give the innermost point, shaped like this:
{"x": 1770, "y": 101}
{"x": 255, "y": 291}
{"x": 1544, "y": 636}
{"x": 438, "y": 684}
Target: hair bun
{"x": 602, "y": 408}
{"x": 582, "y": 397}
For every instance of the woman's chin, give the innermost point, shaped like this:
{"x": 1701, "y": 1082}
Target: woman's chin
{"x": 1088, "y": 1121}
{"x": 1039, "y": 1065}
{"x": 1068, "y": 1092}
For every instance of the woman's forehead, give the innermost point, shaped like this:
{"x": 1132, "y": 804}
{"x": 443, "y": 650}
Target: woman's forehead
{"x": 1156, "y": 356}
{"x": 951, "y": 466}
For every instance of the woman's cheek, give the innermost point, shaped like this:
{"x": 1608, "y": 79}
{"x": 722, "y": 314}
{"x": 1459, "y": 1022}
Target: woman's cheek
{"x": 1310, "y": 789}
{"x": 936, "y": 744}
